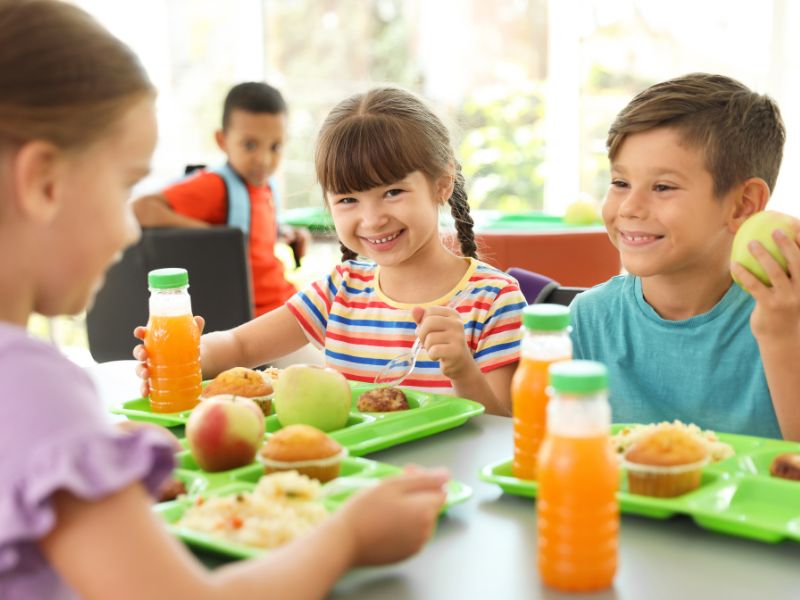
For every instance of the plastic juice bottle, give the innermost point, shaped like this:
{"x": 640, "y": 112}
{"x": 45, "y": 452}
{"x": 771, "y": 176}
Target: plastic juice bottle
{"x": 546, "y": 341}
{"x": 172, "y": 343}
{"x": 577, "y": 508}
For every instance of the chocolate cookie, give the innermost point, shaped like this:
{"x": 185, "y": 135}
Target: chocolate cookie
{"x": 382, "y": 399}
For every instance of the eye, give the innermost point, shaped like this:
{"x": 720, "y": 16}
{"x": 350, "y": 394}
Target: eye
{"x": 662, "y": 187}
{"x": 619, "y": 183}
{"x": 250, "y": 145}
{"x": 394, "y": 192}
{"x": 345, "y": 200}
{"x": 277, "y": 147}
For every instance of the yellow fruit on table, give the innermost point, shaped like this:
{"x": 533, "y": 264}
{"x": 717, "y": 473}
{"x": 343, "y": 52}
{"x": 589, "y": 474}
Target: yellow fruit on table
{"x": 582, "y": 212}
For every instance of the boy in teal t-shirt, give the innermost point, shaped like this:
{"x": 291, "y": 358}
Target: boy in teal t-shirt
{"x": 691, "y": 159}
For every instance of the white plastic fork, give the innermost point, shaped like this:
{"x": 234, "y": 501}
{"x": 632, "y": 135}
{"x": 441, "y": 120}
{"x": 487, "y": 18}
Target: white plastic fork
{"x": 400, "y": 367}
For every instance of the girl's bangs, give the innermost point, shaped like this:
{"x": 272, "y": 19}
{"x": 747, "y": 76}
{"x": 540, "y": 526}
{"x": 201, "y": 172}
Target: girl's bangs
{"x": 365, "y": 152}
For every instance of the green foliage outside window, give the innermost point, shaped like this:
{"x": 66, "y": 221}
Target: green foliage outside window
{"x": 502, "y": 151}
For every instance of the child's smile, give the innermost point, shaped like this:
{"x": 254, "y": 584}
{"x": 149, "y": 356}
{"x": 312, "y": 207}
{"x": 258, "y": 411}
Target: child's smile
{"x": 660, "y": 210}
{"x": 389, "y": 224}
{"x": 384, "y": 242}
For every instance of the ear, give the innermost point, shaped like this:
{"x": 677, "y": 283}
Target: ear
{"x": 445, "y": 184}
{"x": 749, "y": 198}
{"x": 219, "y": 137}
{"x": 36, "y": 168}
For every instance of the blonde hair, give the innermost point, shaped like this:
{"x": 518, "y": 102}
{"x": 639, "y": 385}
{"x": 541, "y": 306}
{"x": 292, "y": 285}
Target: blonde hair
{"x": 63, "y": 77}
{"x": 381, "y": 136}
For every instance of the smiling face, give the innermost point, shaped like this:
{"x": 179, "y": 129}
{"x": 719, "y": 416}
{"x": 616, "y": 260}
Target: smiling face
{"x": 254, "y": 144}
{"x": 392, "y": 224}
{"x": 94, "y": 222}
{"x": 660, "y": 210}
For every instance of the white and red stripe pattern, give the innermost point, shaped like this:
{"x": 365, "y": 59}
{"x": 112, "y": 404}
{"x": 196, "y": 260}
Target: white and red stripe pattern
{"x": 360, "y": 329}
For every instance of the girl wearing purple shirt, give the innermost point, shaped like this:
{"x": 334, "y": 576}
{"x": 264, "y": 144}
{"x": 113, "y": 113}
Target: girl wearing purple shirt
{"x": 77, "y": 131}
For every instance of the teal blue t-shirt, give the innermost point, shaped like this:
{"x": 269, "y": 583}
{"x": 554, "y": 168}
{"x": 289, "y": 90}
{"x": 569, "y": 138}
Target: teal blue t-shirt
{"x": 705, "y": 370}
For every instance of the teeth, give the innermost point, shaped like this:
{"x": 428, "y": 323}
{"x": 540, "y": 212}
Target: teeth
{"x": 383, "y": 240}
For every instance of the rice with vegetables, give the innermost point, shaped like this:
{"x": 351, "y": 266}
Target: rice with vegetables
{"x": 281, "y": 507}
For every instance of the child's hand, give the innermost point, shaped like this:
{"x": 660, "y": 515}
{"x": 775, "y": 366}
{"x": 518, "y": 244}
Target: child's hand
{"x": 442, "y": 333}
{"x": 777, "y": 310}
{"x": 140, "y": 354}
{"x": 393, "y": 520}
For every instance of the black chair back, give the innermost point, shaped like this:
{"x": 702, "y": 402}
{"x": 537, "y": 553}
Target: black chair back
{"x": 563, "y": 295}
{"x": 219, "y": 284}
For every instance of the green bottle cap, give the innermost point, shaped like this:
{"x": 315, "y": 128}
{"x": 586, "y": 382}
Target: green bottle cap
{"x": 165, "y": 279}
{"x": 578, "y": 376}
{"x": 545, "y": 317}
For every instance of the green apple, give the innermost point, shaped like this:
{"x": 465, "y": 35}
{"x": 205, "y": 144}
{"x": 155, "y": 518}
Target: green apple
{"x": 760, "y": 226}
{"x": 582, "y": 212}
{"x": 225, "y": 432}
{"x": 312, "y": 395}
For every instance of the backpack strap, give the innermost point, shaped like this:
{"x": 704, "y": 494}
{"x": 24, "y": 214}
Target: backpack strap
{"x": 238, "y": 198}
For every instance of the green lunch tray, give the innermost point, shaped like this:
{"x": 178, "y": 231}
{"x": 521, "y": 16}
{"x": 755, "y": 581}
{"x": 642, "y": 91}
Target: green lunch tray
{"x": 356, "y": 473}
{"x": 737, "y": 496}
{"x": 364, "y": 432}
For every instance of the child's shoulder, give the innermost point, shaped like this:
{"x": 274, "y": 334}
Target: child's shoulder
{"x": 606, "y": 296}
{"x": 485, "y": 274}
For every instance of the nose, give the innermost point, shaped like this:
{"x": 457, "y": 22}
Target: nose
{"x": 634, "y": 203}
{"x": 132, "y": 232}
{"x": 373, "y": 216}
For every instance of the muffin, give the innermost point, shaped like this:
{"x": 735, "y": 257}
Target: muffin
{"x": 241, "y": 381}
{"x": 786, "y": 466}
{"x": 382, "y": 399}
{"x": 304, "y": 449}
{"x": 665, "y": 463}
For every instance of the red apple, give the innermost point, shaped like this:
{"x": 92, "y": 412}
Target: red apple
{"x": 760, "y": 226}
{"x": 225, "y": 432}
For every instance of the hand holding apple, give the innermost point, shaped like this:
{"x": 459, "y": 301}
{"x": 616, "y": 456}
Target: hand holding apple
{"x": 312, "y": 395}
{"x": 225, "y": 432}
{"x": 759, "y": 227}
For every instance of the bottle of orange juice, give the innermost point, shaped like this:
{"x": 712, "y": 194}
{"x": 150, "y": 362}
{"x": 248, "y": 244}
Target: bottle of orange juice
{"x": 172, "y": 343}
{"x": 546, "y": 341}
{"x": 577, "y": 510}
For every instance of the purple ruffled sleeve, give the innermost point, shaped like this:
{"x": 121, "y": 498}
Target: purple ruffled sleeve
{"x": 55, "y": 436}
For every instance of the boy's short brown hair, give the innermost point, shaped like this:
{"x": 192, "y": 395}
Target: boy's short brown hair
{"x": 740, "y": 131}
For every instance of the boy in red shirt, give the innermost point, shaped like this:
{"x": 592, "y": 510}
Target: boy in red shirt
{"x": 238, "y": 193}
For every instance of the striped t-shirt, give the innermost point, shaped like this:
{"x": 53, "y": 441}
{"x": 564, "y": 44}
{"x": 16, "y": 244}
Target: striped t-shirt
{"x": 360, "y": 329}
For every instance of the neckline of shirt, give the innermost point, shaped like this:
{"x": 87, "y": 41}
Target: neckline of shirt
{"x": 473, "y": 264}
{"x": 732, "y": 295}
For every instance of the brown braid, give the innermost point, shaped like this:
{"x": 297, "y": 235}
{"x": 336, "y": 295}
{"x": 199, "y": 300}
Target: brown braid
{"x": 347, "y": 254}
{"x": 459, "y": 208}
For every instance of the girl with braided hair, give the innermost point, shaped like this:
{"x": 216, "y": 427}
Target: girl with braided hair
{"x": 386, "y": 165}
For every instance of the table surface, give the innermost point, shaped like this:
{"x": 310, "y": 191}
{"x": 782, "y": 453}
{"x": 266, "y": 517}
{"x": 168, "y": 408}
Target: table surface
{"x": 487, "y": 546}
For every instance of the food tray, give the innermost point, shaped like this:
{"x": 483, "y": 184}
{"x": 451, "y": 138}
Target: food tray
{"x": 356, "y": 473}
{"x": 737, "y": 496}
{"x": 364, "y": 432}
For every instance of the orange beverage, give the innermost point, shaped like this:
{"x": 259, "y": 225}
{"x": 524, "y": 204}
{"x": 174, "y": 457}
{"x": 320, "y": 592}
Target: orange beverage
{"x": 546, "y": 341}
{"x": 173, "y": 358}
{"x": 577, "y": 508}
{"x": 172, "y": 343}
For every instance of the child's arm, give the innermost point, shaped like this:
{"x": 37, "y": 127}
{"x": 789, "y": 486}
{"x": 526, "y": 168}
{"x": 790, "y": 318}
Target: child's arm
{"x": 155, "y": 211}
{"x": 151, "y": 564}
{"x": 775, "y": 323}
{"x": 265, "y": 338}
{"x": 442, "y": 333}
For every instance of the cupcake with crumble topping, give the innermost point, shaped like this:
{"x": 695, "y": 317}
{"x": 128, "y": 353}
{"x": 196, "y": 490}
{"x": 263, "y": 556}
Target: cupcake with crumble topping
{"x": 667, "y": 462}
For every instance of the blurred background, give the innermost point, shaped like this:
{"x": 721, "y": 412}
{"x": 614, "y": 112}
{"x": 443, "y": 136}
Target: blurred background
{"x": 528, "y": 87}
